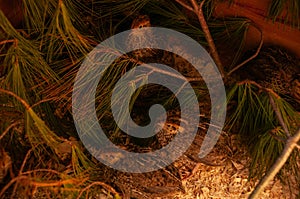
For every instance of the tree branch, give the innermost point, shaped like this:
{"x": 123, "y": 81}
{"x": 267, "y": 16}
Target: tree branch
{"x": 23, "y": 102}
{"x": 253, "y": 56}
{"x": 279, "y": 116}
{"x": 109, "y": 188}
{"x": 183, "y": 4}
{"x": 197, "y": 9}
{"x": 291, "y": 143}
{"x": 208, "y": 37}
{"x": 268, "y": 90}
{"x": 10, "y": 127}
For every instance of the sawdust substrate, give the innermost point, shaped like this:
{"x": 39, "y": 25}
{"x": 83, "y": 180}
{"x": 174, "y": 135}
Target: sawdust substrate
{"x": 230, "y": 180}
{"x": 227, "y": 181}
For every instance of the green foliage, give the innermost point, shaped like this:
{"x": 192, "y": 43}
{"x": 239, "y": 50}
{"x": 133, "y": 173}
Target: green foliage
{"x": 81, "y": 164}
{"x": 38, "y": 132}
{"x": 36, "y": 13}
{"x": 224, "y": 31}
{"x": 39, "y": 64}
{"x": 62, "y": 37}
{"x": 259, "y": 125}
{"x": 24, "y": 65}
{"x": 292, "y": 16}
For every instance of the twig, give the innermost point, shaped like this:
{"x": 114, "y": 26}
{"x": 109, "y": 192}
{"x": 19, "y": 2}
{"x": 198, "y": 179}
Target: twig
{"x": 22, "y": 101}
{"x": 197, "y": 9}
{"x": 25, "y": 160}
{"x": 268, "y": 90}
{"x": 271, "y": 93}
{"x": 155, "y": 69}
{"x": 27, "y": 106}
{"x": 185, "y": 5}
{"x": 8, "y": 128}
{"x": 291, "y": 143}
{"x": 180, "y": 89}
{"x": 43, "y": 101}
{"x": 279, "y": 138}
{"x": 253, "y": 56}
{"x": 21, "y": 171}
{"x": 7, "y": 41}
{"x": 10, "y": 183}
{"x": 57, "y": 183}
{"x": 195, "y": 4}
{"x": 41, "y": 170}
{"x": 30, "y": 181}
{"x": 112, "y": 190}
{"x": 279, "y": 116}
{"x": 210, "y": 41}
{"x": 163, "y": 71}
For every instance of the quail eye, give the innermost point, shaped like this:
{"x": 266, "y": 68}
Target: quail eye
{"x": 140, "y": 26}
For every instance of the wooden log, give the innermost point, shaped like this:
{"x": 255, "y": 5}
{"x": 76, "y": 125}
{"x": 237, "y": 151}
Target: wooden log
{"x": 275, "y": 33}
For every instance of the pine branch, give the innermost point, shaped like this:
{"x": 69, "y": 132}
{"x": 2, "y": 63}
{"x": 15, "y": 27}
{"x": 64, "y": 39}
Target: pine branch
{"x": 9, "y": 127}
{"x": 268, "y": 90}
{"x": 291, "y": 143}
{"x": 23, "y": 102}
{"x": 279, "y": 116}
{"x": 183, "y": 4}
{"x": 197, "y": 9}
{"x": 108, "y": 187}
{"x": 253, "y": 56}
